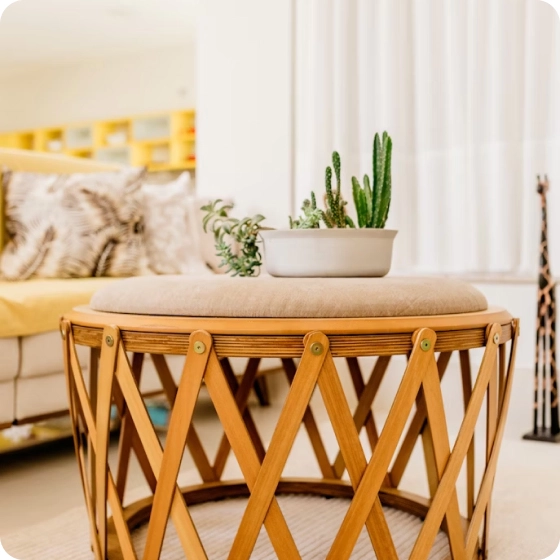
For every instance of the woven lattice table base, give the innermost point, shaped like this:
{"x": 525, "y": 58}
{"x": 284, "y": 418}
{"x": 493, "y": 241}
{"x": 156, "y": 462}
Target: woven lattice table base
{"x": 313, "y": 521}
{"x": 374, "y": 468}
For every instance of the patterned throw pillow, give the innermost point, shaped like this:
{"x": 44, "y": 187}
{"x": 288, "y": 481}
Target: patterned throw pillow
{"x": 73, "y": 226}
{"x": 169, "y": 243}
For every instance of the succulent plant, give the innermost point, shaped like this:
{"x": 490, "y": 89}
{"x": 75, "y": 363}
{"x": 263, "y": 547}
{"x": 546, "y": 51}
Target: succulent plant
{"x": 373, "y": 200}
{"x": 248, "y": 260}
{"x": 312, "y": 215}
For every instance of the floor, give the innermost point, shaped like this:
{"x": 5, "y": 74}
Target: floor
{"x": 42, "y": 483}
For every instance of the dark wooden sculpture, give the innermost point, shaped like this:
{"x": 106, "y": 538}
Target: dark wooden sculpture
{"x": 545, "y": 356}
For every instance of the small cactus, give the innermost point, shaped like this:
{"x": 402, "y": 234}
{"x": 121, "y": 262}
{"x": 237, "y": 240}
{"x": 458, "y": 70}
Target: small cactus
{"x": 312, "y": 215}
{"x": 374, "y": 200}
{"x": 335, "y": 215}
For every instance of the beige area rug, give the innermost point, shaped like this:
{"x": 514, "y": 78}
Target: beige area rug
{"x": 313, "y": 521}
{"x": 525, "y": 516}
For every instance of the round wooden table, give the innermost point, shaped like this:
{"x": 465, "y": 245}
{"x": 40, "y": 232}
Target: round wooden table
{"x": 357, "y": 507}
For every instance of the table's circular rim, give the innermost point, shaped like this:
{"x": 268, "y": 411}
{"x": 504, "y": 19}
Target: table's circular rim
{"x": 87, "y": 317}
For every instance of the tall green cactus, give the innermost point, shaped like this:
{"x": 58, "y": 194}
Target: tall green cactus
{"x": 373, "y": 201}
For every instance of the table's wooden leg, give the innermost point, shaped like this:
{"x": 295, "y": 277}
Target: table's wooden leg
{"x": 93, "y": 372}
{"x": 466, "y": 377}
{"x": 242, "y": 445}
{"x": 102, "y": 422}
{"x": 77, "y": 418}
{"x": 439, "y": 437}
{"x": 355, "y": 460}
{"x": 186, "y": 531}
{"x": 194, "y": 444}
{"x": 177, "y": 434}
{"x": 261, "y": 390}
{"x": 128, "y": 435}
{"x": 491, "y": 426}
{"x": 367, "y": 492}
{"x": 492, "y": 461}
{"x": 82, "y": 414}
{"x": 327, "y": 470}
{"x": 363, "y": 415}
{"x": 443, "y": 495}
{"x": 359, "y": 387}
{"x": 416, "y": 429}
{"x": 241, "y": 391}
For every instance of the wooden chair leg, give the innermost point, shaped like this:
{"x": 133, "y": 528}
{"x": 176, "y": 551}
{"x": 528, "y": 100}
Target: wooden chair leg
{"x": 261, "y": 390}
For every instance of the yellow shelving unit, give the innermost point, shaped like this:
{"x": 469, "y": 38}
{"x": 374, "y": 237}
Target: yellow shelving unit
{"x": 159, "y": 141}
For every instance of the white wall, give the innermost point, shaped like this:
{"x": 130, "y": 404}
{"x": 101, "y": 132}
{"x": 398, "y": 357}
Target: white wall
{"x": 157, "y": 80}
{"x": 243, "y": 105}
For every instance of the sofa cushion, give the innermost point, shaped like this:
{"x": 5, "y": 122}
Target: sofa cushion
{"x": 223, "y": 296}
{"x": 7, "y": 402}
{"x": 41, "y": 354}
{"x": 35, "y": 306}
{"x": 73, "y": 226}
{"x": 169, "y": 243}
{"x": 9, "y": 358}
{"x": 42, "y": 395}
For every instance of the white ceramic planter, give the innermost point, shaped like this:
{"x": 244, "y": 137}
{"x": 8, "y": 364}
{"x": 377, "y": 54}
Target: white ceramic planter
{"x": 345, "y": 252}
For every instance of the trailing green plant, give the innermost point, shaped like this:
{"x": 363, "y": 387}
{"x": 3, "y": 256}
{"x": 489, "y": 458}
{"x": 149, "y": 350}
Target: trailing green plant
{"x": 248, "y": 259}
{"x": 373, "y": 200}
{"x": 312, "y": 215}
{"x": 335, "y": 215}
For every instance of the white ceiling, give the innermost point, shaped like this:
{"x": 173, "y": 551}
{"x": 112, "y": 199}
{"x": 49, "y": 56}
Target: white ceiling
{"x": 35, "y": 33}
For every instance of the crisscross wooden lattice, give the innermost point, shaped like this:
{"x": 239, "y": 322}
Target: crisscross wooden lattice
{"x": 417, "y": 413}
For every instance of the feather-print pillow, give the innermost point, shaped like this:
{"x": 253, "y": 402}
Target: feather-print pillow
{"x": 73, "y": 226}
{"x": 168, "y": 241}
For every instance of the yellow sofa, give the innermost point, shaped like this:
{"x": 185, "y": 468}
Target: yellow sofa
{"x": 31, "y": 373}
{"x": 32, "y": 383}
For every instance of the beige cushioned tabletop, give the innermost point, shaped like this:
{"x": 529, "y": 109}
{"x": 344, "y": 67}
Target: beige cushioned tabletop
{"x": 268, "y": 297}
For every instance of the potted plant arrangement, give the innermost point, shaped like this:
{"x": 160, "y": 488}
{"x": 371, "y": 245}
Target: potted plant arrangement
{"x": 340, "y": 249}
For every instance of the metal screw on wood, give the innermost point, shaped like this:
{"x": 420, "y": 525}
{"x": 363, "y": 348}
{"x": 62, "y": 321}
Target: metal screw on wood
{"x": 425, "y": 345}
{"x": 317, "y": 348}
{"x": 109, "y": 340}
{"x": 199, "y": 347}
{"x": 496, "y": 338}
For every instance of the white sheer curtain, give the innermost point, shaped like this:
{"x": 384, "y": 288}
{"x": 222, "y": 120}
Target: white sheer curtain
{"x": 468, "y": 89}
